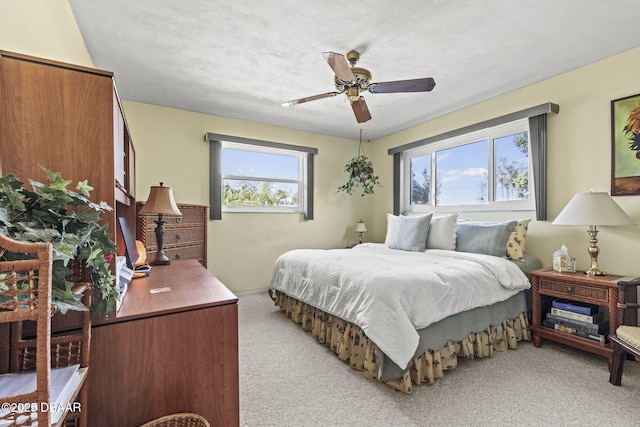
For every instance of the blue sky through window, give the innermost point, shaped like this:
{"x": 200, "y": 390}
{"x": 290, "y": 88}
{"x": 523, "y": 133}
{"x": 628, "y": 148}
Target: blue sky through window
{"x": 256, "y": 164}
{"x": 462, "y": 174}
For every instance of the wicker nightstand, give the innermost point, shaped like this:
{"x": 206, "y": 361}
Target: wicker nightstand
{"x": 547, "y": 285}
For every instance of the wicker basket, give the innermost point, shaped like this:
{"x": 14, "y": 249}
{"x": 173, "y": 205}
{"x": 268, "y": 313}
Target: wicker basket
{"x": 178, "y": 420}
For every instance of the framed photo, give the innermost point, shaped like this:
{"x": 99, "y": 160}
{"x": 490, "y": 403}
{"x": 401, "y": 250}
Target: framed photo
{"x": 625, "y": 146}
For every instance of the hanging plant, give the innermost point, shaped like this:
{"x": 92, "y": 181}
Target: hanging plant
{"x": 361, "y": 175}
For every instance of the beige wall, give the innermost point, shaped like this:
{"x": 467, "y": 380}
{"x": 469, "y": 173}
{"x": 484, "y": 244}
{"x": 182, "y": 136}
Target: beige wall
{"x": 43, "y": 28}
{"x": 242, "y": 247}
{"x": 579, "y": 156}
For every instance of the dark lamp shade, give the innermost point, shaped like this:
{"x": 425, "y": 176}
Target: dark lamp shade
{"x": 160, "y": 201}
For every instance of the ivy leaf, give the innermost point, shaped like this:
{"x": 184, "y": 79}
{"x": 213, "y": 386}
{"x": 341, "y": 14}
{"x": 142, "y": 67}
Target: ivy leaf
{"x": 66, "y": 300}
{"x": 57, "y": 182}
{"x": 31, "y": 234}
{"x": 84, "y": 188}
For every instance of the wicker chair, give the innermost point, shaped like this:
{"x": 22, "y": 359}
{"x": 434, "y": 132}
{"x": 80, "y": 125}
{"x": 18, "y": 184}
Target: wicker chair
{"x": 626, "y": 341}
{"x": 178, "y": 420}
{"x": 25, "y": 294}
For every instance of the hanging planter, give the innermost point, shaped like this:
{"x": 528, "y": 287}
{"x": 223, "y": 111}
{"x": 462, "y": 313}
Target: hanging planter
{"x": 361, "y": 175}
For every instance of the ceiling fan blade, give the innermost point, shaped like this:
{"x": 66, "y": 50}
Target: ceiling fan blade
{"x": 414, "y": 85}
{"x": 339, "y": 65}
{"x": 310, "y": 98}
{"x": 361, "y": 110}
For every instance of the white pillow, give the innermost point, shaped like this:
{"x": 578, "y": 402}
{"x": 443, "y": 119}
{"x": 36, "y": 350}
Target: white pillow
{"x": 412, "y": 233}
{"x": 442, "y": 232}
{"x": 393, "y": 225}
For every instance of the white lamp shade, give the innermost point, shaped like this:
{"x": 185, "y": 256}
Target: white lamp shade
{"x": 360, "y": 227}
{"x": 592, "y": 209}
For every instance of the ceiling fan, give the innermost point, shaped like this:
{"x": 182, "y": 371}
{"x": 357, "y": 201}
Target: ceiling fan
{"x": 351, "y": 80}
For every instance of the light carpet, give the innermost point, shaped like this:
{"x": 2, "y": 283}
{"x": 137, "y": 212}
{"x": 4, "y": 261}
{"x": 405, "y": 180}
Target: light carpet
{"x": 287, "y": 378}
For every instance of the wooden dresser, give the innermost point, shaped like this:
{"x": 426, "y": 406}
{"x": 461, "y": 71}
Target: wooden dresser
{"x": 167, "y": 352}
{"x": 185, "y": 237}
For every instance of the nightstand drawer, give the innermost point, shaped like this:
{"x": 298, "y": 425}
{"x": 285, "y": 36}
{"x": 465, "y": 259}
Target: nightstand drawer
{"x": 570, "y": 290}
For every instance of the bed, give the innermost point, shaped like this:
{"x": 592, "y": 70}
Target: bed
{"x": 403, "y": 311}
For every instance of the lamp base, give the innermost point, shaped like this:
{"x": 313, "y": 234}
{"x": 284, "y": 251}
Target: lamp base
{"x": 594, "y": 272}
{"x": 593, "y": 253}
{"x": 160, "y": 259}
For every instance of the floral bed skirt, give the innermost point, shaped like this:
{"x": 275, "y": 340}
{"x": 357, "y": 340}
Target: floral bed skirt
{"x": 350, "y": 343}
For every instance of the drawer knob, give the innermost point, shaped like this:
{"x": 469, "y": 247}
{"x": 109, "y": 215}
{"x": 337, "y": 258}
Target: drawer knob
{"x": 178, "y": 256}
{"x": 179, "y": 220}
{"x": 569, "y": 289}
{"x": 178, "y": 238}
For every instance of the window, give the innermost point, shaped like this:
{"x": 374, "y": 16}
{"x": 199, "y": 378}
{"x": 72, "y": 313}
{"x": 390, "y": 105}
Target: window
{"x": 248, "y": 175}
{"x": 262, "y": 179}
{"x": 487, "y": 169}
{"x": 536, "y": 189}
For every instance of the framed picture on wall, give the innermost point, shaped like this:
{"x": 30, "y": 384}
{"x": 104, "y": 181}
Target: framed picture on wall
{"x": 625, "y": 146}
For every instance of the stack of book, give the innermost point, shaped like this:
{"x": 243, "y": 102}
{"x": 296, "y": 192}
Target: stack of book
{"x": 576, "y": 318}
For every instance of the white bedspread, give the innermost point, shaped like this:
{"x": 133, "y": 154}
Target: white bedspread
{"x": 391, "y": 293}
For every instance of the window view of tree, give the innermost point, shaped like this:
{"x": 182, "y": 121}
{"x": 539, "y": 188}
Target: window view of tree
{"x": 255, "y": 193}
{"x": 512, "y": 167}
{"x": 484, "y": 170}
{"x": 421, "y": 180}
{"x": 260, "y": 178}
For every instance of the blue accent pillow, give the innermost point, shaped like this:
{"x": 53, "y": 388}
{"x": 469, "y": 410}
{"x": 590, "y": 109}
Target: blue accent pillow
{"x": 412, "y": 233}
{"x": 488, "y": 238}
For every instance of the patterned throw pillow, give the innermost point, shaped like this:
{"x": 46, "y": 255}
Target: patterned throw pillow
{"x": 518, "y": 241}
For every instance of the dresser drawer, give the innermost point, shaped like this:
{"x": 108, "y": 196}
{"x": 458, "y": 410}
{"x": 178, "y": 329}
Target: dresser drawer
{"x": 184, "y": 238}
{"x": 177, "y": 236}
{"x": 597, "y": 294}
{"x": 190, "y": 215}
{"x": 185, "y": 252}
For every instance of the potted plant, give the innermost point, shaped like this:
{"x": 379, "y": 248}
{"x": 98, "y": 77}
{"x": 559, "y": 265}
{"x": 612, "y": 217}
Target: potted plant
{"x": 361, "y": 175}
{"x": 69, "y": 220}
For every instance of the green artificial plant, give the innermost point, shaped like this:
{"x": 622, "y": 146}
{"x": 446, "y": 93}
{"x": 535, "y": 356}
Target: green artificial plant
{"x": 360, "y": 171}
{"x": 70, "y": 221}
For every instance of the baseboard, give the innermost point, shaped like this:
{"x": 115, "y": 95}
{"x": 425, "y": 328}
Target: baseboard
{"x": 254, "y": 291}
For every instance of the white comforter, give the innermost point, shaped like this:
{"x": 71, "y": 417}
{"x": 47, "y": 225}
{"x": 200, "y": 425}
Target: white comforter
{"x": 391, "y": 293}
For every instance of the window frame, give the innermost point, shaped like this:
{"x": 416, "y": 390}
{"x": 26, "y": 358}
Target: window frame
{"x": 537, "y": 116}
{"x": 216, "y": 195}
{"x": 300, "y": 181}
{"x": 489, "y": 134}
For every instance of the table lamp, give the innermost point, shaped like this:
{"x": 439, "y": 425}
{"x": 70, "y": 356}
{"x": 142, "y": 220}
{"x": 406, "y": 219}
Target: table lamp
{"x": 593, "y": 209}
{"x": 160, "y": 202}
{"x": 360, "y": 228}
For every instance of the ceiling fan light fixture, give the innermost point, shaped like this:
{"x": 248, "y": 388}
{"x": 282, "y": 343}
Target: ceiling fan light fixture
{"x": 353, "y": 93}
{"x": 353, "y": 57}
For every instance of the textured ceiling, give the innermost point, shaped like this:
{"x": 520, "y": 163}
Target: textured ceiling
{"x": 242, "y": 59}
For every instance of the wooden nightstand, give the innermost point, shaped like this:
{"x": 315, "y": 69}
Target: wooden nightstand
{"x": 547, "y": 285}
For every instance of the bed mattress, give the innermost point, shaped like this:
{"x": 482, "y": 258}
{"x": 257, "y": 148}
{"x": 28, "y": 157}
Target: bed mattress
{"x": 392, "y": 294}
